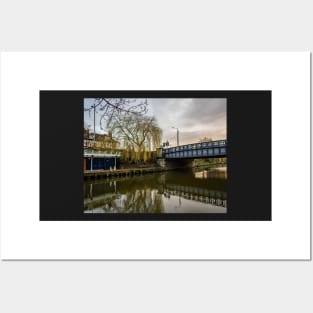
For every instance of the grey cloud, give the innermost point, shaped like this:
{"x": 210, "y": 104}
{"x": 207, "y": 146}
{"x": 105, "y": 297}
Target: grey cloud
{"x": 195, "y": 118}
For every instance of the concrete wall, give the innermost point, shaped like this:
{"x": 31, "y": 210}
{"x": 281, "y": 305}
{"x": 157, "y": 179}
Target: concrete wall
{"x": 174, "y": 163}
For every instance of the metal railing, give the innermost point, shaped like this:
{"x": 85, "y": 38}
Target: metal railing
{"x": 202, "y": 149}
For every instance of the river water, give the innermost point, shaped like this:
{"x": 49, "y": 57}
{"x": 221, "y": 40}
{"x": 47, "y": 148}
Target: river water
{"x": 189, "y": 191}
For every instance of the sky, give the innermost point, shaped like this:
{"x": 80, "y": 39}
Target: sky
{"x": 194, "y": 117}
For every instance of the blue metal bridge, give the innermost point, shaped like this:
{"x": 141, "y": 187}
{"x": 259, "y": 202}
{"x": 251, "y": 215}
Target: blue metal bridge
{"x": 210, "y": 149}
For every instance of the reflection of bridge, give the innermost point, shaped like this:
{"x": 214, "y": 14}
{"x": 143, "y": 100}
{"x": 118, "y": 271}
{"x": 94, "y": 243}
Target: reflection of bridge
{"x": 210, "y": 149}
{"x": 197, "y": 194}
{"x": 123, "y": 196}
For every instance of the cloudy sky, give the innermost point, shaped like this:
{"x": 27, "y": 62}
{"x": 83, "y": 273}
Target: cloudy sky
{"x": 195, "y": 118}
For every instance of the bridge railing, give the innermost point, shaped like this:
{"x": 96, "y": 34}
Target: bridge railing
{"x": 197, "y": 150}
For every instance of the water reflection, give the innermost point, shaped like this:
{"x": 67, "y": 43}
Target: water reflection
{"x": 169, "y": 192}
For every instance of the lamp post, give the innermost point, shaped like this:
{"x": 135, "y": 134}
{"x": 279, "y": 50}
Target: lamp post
{"x": 177, "y": 135}
{"x": 94, "y": 133}
{"x": 94, "y": 125}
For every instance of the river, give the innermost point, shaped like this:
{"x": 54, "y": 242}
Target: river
{"x": 188, "y": 191}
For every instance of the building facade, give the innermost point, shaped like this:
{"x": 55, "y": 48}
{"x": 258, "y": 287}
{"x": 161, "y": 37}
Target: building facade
{"x": 100, "y": 142}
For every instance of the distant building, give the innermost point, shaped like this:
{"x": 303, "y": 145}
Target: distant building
{"x": 101, "y": 142}
{"x": 104, "y": 142}
{"x": 101, "y": 151}
{"x": 205, "y": 139}
{"x": 86, "y": 133}
{"x": 88, "y": 139}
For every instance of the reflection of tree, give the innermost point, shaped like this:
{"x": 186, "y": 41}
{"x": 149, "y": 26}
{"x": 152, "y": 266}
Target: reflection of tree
{"x": 145, "y": 194}
{"x": 140, "y": 201}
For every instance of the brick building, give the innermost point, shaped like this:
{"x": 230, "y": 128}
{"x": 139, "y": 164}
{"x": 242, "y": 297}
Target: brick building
{"x": 101, "y": 142}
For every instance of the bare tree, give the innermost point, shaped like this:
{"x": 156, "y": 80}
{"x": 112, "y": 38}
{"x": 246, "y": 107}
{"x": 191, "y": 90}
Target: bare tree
{"x": 113, "y": 107}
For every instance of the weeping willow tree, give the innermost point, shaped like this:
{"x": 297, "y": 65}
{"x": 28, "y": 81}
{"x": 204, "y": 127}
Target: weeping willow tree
{"x": 140, "y": 133}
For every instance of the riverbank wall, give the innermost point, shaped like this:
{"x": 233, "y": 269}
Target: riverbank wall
{"x": 98, "y": 174}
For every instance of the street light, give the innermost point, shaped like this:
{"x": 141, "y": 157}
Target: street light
{"x": 94, "y": 133}
{"x": 177, "y": 135}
